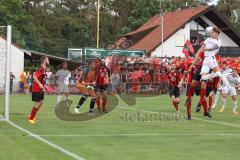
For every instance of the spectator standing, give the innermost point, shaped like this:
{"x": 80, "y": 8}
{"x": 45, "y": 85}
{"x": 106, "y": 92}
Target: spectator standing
{"x": 11, "y": 82}
{"x": 114, "y": 81}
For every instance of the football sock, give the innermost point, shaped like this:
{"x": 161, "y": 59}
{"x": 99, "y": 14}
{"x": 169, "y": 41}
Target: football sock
{"x": 104, "y": 102}
{"x": 216, "y": 97}
{"x": 98, "y": 101}
{"x": 175, "y": 105}
{"x": 234, "y": 105}
{"x": 203, "y": 100}
{"x": 191, "y": 92}
{"x": 33, "y": 113}
{"x": 59, "y": 98}
{"x": 189, "y": 108}
{"x": 223, "y": 102}
{"x": 210, "y": 102}
{"x": 81, "y": 101}
{"x": 92, "y": 104}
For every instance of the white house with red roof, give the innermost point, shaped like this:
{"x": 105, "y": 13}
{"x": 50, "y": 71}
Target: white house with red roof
{"x": 180, "y": 26}
{"x": 17, "y": 62}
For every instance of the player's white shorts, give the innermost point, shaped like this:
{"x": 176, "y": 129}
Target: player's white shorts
{"x": 208, "y": 64}
{"x": 231, "y": 92}
{"x": 63, "y": 88}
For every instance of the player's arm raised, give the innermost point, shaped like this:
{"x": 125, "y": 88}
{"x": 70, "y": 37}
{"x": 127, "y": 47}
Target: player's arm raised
{"x": 197, "y": 57}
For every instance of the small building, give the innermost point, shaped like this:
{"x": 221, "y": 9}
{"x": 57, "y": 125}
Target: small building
{"x": 32, "y": 58}
{"x": 21, "y": 58}
{"x": 16, "y": 64}
{"x": 180, "y": 26}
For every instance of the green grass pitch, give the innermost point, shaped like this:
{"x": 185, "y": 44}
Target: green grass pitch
{"x": 112, "y": 138}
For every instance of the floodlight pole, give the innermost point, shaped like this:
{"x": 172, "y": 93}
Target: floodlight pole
{"x": 161, "y": 15}
{"x": 8, "y": 60}
{"x": 98, "y": 22}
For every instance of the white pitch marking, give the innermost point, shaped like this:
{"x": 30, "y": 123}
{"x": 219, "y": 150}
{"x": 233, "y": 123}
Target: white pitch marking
{"x": 66, "y": 152}
{"x": 138, "y": 135}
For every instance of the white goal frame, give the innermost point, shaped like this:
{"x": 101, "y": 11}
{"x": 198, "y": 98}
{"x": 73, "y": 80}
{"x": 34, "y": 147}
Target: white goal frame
{"x": 7, "y": 73}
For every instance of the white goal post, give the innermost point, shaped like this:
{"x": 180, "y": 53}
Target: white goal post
{"x": 5, "y": 70}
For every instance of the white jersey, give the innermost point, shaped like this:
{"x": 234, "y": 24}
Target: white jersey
{"x": 226, "y": 72}
{"x": 233, "y": 80}
{"x": 209, "y": 43}
{"x": 63, "y": 77}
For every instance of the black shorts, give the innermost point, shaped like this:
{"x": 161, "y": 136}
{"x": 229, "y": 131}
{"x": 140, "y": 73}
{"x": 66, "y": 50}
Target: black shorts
{"x": 208, "y": 91}
{"x": 197, "y": 75}
{"x": 37, "y": 96}
{"x": 101, "y": 88}
{"x": 197, "y": 90}
{"x": 174, "y": 91}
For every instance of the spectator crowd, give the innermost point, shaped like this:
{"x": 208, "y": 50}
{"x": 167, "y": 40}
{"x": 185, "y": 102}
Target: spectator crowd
{"x": 129, "y": 74}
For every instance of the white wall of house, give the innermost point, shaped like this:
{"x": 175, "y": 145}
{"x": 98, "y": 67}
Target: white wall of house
{"x": 172, "y": 48}
{"x": 17, "y": 63}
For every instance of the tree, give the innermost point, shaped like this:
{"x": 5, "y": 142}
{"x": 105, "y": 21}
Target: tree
{"x": 231, "y": 9}
{"x": 12, "y": 13}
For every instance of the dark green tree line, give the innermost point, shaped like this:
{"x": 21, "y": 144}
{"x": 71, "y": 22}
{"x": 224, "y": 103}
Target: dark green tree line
{"x": 53, "y": 26}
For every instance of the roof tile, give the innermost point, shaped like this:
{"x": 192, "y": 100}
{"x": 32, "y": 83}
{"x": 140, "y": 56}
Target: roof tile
{"x": 172, "y": 21}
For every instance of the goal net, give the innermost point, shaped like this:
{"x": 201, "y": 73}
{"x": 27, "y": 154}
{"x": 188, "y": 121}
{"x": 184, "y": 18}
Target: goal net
{"x": 5, "y": 44}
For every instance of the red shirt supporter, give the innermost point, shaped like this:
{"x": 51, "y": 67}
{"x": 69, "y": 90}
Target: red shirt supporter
{"x": 164, "y": 77}
{"x": 188, "y": 63}
{"x": 174, "y": 78}
{"x": 146, "y": 78}
{"x": 134, "y": 76}
{"x": 156, "y": 77}
{"x": 41, "y": 75}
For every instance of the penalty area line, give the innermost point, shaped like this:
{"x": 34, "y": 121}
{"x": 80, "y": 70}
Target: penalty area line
{"x": 139, "y": 135}
{"x": 199, "y": 119}
{"x": 64, "y": 151}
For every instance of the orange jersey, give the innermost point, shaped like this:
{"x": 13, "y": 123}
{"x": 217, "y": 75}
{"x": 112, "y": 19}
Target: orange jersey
{"x": 89, "y": 77}
{"x": 85, "y": 80}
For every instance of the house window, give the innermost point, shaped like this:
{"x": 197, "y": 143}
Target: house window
{"x": 198, "y": 31}
{"x": 197, "y": 37}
